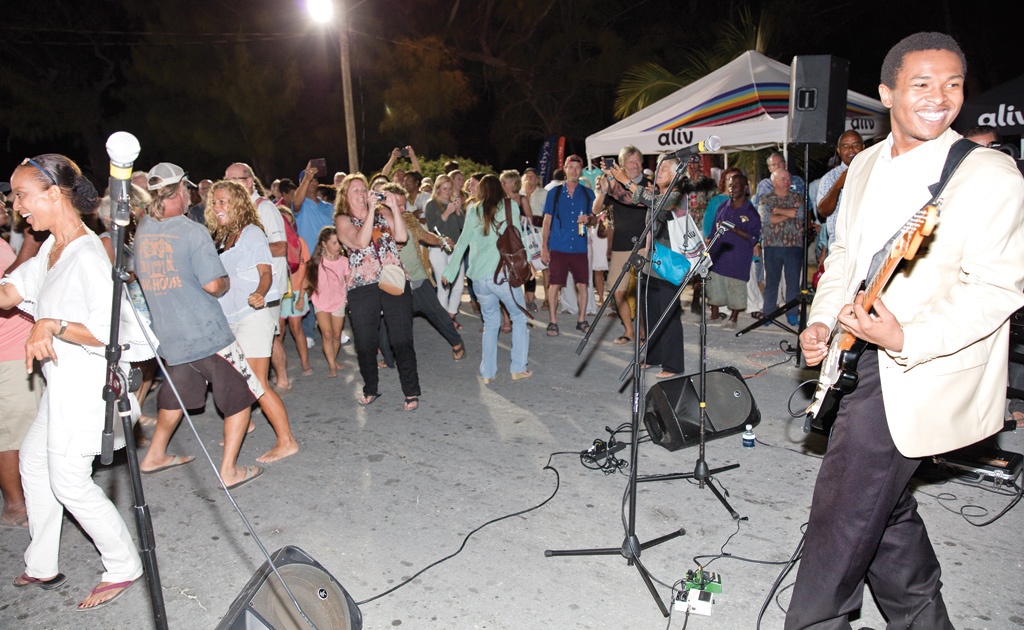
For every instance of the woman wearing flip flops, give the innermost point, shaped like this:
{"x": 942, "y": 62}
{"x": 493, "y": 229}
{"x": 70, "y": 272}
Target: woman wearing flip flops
{"x": 67, "y": 288}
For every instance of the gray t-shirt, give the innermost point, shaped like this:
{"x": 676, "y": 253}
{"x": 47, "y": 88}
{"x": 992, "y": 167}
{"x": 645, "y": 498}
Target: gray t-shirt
{"x": 175, "y": 258}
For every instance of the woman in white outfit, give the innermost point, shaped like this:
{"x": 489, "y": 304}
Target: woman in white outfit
{"x": 67, "y": 287}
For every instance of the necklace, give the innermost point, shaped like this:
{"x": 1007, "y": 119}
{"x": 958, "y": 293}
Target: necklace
{"x": 58, "y": 249}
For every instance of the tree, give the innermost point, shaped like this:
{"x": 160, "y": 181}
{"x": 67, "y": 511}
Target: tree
{"x": 423, "y": 94}
{"x": 56, "y": 79}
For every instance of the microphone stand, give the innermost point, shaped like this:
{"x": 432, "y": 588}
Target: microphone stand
{"x": 631, "y": 546}
{"x": 115, "y": 393}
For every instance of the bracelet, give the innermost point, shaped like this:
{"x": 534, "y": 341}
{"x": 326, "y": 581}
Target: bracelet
{"x": 63, "y": 328}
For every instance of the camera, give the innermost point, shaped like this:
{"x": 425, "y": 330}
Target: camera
{"x": 403, "y": 152}
{"x": 608, "y": 162}
{"x": 379, "y": 196}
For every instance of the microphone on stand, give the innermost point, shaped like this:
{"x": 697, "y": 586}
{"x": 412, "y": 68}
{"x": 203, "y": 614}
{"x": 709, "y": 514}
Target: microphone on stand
{"x": 725, "y": 226}
{"x": 123, "y": 148}
{"x": 712, "y": 144}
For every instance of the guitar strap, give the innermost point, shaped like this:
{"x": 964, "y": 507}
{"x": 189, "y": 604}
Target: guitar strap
{"x": 954, "y": 158}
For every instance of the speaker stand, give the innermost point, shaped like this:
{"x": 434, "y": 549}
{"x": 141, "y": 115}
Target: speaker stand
{"x": 701, "y": 473}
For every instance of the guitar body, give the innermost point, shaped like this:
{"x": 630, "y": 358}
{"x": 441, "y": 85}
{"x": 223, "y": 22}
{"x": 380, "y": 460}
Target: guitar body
{"x": 839, "y": 370}
{"x": 833, "y": 385}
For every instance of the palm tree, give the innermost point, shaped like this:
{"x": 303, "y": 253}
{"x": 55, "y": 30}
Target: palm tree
{"x": 650, "y": 82}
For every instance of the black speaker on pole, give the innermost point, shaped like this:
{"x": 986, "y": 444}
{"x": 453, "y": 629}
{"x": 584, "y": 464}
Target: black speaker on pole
{"x": 817, "y": 99}
{"x": 264, "y": 605}
{"x": 672, "y": 408}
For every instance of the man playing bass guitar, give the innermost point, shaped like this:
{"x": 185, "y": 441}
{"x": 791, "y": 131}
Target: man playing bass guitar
{"x": 933, "y": 377}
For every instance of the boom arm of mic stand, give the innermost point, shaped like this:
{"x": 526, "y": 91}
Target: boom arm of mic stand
{"x": 635, "y": 261}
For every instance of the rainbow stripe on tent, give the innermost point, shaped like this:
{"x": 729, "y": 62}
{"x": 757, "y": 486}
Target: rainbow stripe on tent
{"x": 745, "y": 102}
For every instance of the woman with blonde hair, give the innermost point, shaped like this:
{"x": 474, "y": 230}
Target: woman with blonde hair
{"x": 238, "y": 233}
{"x": 370, "y": 228}
{"x": 445, "y": 215}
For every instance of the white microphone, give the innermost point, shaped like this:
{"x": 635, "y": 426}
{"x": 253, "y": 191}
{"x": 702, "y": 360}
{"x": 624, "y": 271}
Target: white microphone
{"x": 712, "y": 144}
{"x": 122, "y": 148}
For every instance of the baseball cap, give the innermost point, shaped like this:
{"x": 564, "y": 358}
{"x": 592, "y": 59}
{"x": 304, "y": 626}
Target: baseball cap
{"x": 166, "y": 174}
{"x": 573, "y": 158}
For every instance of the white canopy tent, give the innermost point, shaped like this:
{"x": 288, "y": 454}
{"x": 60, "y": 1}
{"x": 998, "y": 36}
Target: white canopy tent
{"x": 745, "y": 103}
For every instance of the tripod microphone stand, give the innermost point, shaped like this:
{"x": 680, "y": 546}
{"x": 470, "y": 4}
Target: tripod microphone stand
{"x": 123, "y": 148}
{"x": 806, "y": 295}
{"x": 631, "y": 546}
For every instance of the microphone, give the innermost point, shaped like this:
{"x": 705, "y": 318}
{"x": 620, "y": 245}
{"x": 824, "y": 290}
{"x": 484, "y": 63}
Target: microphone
{"x": 712, "y": 144}
{"x": 123, "y": 148}
{"x": 725, "y": 226}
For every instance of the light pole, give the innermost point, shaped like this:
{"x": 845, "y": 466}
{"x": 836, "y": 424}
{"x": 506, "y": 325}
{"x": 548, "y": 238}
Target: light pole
{"x": 322, "y": 11}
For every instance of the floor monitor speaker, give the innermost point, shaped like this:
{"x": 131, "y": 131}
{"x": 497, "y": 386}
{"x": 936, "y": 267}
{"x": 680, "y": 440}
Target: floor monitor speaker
{"x": 817, "y": 99}
{"x": 672, "y": 408}
{"x": 264, "y": 605}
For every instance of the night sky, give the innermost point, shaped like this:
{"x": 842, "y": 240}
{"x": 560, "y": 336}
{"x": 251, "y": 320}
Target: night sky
{"x": 205, "y": 84}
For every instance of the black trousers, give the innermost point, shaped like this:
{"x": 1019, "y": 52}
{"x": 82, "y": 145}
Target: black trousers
{"x": 864, "y": 525}
{"x": 665, "y": 345}
{"x": 366, "y": 306}
{"x": 424, "y": 302}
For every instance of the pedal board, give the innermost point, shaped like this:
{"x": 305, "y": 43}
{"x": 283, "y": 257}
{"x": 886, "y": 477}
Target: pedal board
{"x": 1002, "y": 467}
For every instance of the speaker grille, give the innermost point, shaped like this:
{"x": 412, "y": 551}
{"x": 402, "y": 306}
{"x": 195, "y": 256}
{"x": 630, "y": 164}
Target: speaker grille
{"x": 318, "y": 595}
{"x": 672, "y": 408}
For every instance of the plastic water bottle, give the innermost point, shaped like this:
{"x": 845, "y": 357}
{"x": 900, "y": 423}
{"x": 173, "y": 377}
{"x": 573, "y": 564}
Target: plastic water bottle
{"x": 749, "y": 439}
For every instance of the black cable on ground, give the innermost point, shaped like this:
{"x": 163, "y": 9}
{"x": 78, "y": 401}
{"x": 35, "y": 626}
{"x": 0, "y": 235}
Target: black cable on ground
{"x": 465, "y": 540}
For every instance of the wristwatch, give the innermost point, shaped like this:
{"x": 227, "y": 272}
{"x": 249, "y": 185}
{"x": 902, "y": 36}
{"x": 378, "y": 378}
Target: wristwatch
{"x": 63, "y": 327}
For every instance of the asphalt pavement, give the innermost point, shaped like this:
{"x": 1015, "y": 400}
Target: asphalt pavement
{"x": 376, "y": 494}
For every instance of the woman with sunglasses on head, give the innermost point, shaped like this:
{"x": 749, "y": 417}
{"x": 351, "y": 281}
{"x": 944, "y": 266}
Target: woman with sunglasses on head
{"x": 67, "y": 287}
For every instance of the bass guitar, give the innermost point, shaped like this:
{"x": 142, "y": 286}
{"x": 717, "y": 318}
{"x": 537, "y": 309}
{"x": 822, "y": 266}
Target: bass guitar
{"x": 839, "y": 370}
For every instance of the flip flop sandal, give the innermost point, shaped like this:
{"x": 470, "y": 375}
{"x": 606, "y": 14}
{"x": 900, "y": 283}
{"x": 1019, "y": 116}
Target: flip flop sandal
{"x": 48, "y": 585}
{"x": 367, "y": 400}
{"x": 124, "y": 586}
{"x": 459, "y": 351}
{"x": 412, "y": 403}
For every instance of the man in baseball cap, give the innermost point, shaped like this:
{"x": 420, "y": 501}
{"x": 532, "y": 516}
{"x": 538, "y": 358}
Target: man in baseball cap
{"x": 165, "y": 174}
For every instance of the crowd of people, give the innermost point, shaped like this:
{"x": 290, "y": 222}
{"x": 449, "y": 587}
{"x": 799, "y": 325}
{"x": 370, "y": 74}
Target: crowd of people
{"x": 222, "y": 271}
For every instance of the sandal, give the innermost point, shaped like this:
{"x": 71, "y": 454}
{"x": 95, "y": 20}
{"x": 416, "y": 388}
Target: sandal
{"x": 459, "y": 351}
{"x": 583, "y": 327}
{"x": 412, "y": 403}
{"x": 25, "y": 580}
{"x": 552, "y": 329}
{"x": 623, "y": 340}
{"x": 369, "y": 399}
{"x": 456, "y": 323}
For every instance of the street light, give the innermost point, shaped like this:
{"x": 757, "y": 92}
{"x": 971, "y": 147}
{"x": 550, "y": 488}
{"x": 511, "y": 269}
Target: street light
{"x": 322, "y": 11}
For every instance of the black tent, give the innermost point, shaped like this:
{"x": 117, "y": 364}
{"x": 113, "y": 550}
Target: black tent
{"x": 1001, "y": 107}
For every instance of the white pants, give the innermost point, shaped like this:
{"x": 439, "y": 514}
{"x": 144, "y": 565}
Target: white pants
{"x": 54, "y": 482}
{"x": 451, "y": 297}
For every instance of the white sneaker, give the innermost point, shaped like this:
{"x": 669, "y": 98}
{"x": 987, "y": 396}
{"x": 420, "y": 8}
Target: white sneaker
{"x": 310, "y": 343}
{"x": 345, "y": 338}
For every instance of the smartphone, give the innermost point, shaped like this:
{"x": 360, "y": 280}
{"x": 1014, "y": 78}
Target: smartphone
{"x": 403, "y": 152}
{"x": 607, "y": 162}
{"x": 320, "y": 164}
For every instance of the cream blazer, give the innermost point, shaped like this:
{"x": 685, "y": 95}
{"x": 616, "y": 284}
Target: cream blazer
{"x": 947, "y": 387}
